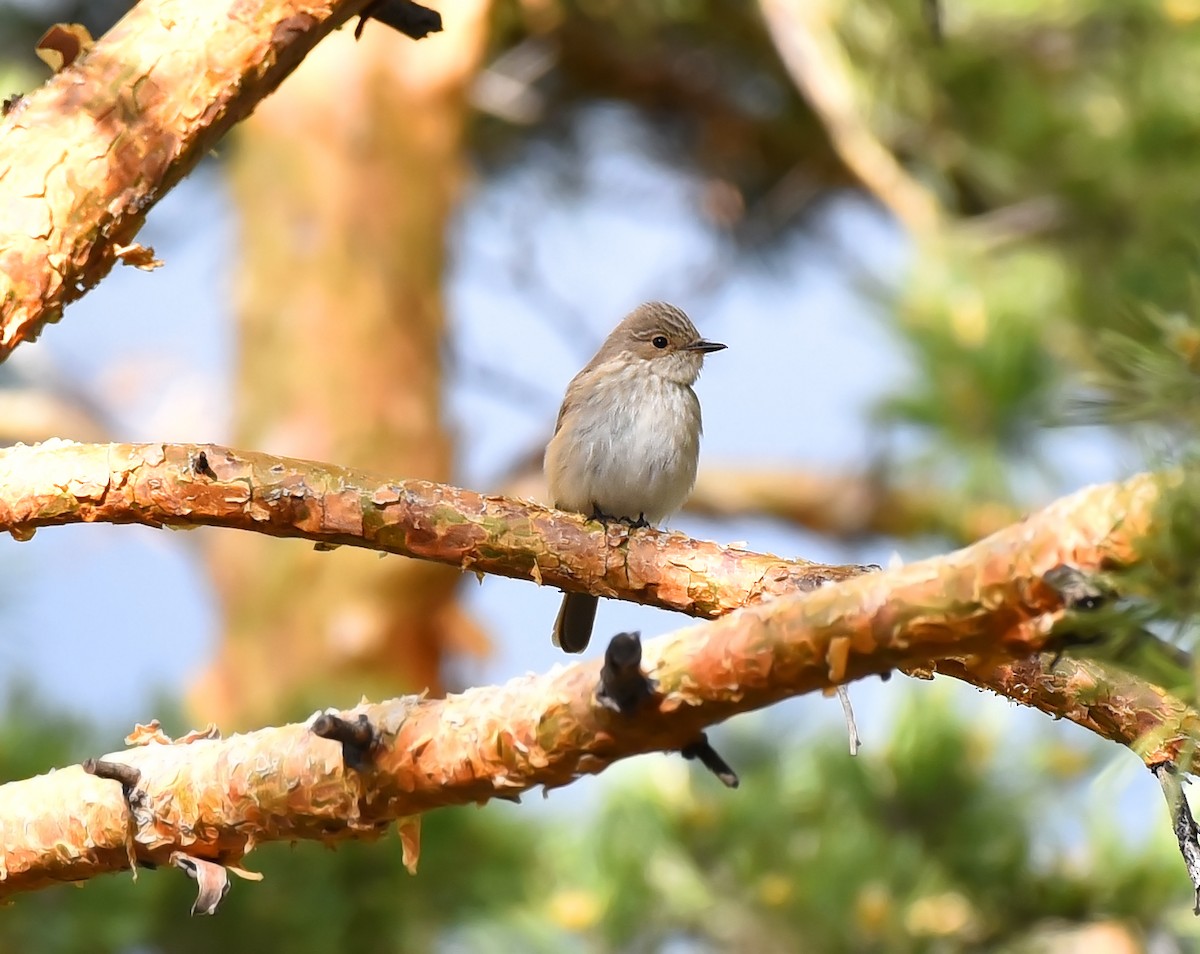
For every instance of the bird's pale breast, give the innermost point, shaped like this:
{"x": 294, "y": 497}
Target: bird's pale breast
{"x": 630, "y": 447}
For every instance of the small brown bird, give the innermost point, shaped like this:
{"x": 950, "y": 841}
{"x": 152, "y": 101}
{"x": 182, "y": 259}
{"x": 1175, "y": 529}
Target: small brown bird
{"x": 627, "y": 439}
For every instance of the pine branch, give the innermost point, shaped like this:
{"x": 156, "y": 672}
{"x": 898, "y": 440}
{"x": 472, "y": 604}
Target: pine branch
{"x": 183, "y": 485}
{"x": 349, "y": 774}
{"x": 191, "y": 485}
{"x": 85, "y": 157}
{"x": 1113, "y": 704}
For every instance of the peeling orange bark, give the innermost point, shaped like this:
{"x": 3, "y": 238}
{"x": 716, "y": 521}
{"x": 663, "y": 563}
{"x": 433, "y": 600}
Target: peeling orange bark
{"x": 165, "y": 485}
{"x": 84, "y": 157}
{"x": 182, "y": 485}
{"x": 1114, "y": 705}
{"x": 217, "y": 799}
{"x": 968, "y": 613}
{"x": 60, "y": 482}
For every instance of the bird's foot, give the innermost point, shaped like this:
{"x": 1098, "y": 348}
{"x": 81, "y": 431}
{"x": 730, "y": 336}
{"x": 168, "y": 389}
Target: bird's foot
{"x": 608, "y": 519}
{"x": 604, "y": 518}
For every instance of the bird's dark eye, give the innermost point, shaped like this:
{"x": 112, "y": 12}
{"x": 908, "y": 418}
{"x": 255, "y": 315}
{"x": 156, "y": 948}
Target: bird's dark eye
{"x": 659, "y": 341}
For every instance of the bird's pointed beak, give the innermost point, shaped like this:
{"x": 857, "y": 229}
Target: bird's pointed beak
{"x": 705, "y": 346}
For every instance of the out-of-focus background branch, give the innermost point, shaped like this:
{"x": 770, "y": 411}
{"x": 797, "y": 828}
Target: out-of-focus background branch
{"x": 953, "y": 260}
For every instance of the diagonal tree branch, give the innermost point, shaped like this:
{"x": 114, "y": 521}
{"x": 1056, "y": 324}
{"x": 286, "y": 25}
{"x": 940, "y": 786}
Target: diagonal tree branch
{"x": 1113, "y": 704}
{"x": 216, "y": 799}
{"x": 85, "y": 157}
{"x": 62, "y": 482}
{"x": 802, "y": 31}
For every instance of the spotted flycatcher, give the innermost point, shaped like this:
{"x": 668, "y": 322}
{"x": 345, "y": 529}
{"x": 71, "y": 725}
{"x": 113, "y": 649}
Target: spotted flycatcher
{"x": 628, "y": 436}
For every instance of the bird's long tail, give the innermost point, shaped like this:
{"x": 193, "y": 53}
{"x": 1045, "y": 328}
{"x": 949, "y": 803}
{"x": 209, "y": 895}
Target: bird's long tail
{"x": 573, "y": 627}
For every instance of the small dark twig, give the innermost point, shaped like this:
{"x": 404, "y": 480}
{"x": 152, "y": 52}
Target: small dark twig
{"x": 1100, "y": 627}
{"x": 409, "y": 18}
{"x": 1186, "y": 831}
{"x": 623, "y": 686}
{"x": 1078, "y": 593}
{"x": 136, "y": 800}
{"x": 127, "y": 775}
{"x": 359, "y": 739}
{"x": 706, "y": 755}
{"x": 202, "y": 467}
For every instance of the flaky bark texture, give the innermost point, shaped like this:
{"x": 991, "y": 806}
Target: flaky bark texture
{"x": 345, "y": 182}
{"x": 184, "y": 485}
{"x": 217, "y": 799}
{"x": 190, "y": 485}
{"x": 85, "y": 157}
{"x": 1114, "y": 705}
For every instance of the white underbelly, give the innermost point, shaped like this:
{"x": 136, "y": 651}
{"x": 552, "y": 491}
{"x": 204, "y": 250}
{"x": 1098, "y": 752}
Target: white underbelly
{"x": 636, "y": 459}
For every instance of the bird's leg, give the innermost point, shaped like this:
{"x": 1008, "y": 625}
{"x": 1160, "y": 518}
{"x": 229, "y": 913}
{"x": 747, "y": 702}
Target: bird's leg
{"x": 641, "y": 521}
{"x": 604, "y": 518}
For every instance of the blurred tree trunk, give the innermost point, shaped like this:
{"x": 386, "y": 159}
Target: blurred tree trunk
{"x": 345, "y": 181}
